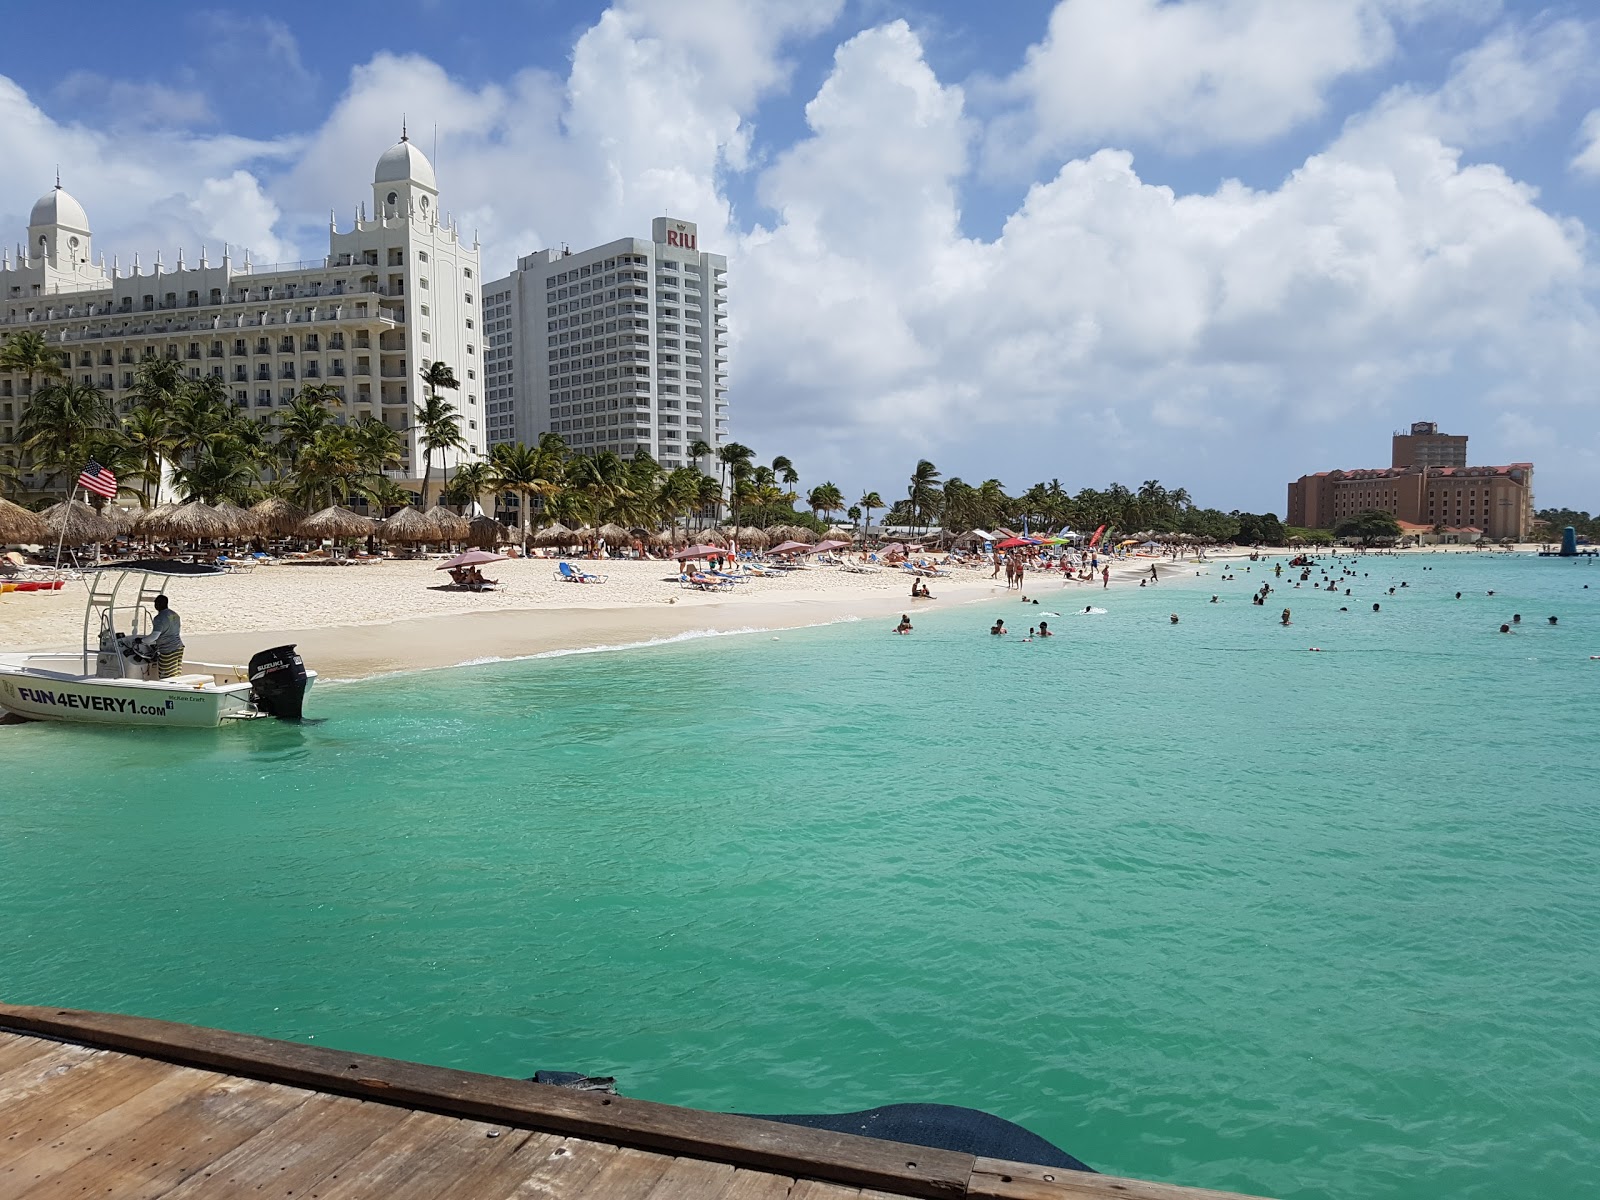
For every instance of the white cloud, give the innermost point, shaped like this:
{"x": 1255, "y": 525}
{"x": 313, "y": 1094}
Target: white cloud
{"x": 126, "y": 102}
{"x": 1190, "y": 73}
{"x": 1587, "y": 160}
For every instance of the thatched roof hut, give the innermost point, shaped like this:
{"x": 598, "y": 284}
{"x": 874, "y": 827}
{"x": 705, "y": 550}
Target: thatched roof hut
{"x": 712, "y": 537}
{"x": 190, "y": 522}
{"x": 336, "y": 522}
{"x": 792, "y": 533}
{"x": 838, "y": 533}
{"x": 408, "y": 525}
{"x": 554, "y": 535}
{"x": 19, "y": 526}
{"x": 277, "y": 516}
{"x": 615, "y": 535}
{"x": 451, "y": 526}
{"x": 485, "y": 533}
{"x": 74, "y": 523}
{"x": 141, "y": 521}
{"x": 584, "y": 533}
{"x": 753, "y": 537}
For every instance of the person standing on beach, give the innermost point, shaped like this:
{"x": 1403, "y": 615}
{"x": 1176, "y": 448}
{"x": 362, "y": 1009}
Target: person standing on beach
{"x": 1105, "y": 576}
{"x": 1153, "y": 577}
{"x": 996, "y": 574}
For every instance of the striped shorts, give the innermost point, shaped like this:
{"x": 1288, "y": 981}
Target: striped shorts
{"x": 169, "y": 663}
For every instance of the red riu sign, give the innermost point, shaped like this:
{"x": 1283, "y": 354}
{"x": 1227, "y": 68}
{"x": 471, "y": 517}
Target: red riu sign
{"x": 681, "y": 238}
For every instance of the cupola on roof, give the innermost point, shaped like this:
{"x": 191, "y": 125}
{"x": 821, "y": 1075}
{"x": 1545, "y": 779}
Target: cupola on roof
{"x": 402, "y": 162}
{"x": 58, "y": 207}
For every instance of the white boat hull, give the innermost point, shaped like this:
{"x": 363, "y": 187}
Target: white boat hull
{"x": 37, "y": 693}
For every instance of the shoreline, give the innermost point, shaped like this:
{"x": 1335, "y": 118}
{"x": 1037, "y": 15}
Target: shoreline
{"x": 390, "y": 618}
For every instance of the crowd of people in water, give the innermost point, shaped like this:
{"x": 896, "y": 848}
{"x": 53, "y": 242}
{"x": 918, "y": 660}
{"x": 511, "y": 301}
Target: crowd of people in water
{"x": 1338, "y": 573}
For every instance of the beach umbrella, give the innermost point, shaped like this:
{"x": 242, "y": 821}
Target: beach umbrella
{"x": 714, "y": 538}
{"x": 277, "y": 516}
{"x": 19, "y": 526}
{"x": 892, "y": 548}
{"x": 485, "y": 532}
{"x": 336, "y": 522}
{"x": 553, "y": 535}
{"x": 584, "y": 533}
{"x": 615, "y": 535}
{"x": 703, "y": 550}
{"x": 1012, "y": 543}
{"x": 830, "y": 544}
{"x": 449, "y": 526}
{"x": 838, "y": 533}
{"x": 472, "y": 558}
{"x": 74, "y": 523}
{"x": 141, "y": 523}
{"x": 188, "y": 522}
{"x": 791, "y": 547}
{"x": 408, "y": 525}
{"x": 242, "y": 521}
{"x": 755, "y": 538}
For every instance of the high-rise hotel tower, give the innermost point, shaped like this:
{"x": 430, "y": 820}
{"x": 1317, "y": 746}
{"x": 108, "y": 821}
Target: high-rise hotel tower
{"x": 621, "y": 347}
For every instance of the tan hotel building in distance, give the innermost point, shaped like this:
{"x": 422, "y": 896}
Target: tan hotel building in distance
{"x": 1428, "y": 486}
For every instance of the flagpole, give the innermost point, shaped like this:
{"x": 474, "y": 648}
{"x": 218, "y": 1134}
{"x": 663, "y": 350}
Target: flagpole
{"x": 62, "y": 537}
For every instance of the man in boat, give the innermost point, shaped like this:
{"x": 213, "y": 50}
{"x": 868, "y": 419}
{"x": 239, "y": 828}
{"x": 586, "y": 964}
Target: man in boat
{"x": 166, "y": 639}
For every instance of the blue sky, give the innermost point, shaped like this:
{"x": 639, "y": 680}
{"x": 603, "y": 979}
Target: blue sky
{"x": 1218, "y": 242}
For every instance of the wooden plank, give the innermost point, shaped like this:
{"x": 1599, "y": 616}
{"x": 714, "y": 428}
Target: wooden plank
{"x": 786, "y": 1149}
{"x": 758, "y": 1185}
{"x": 27, "y": 1079}
{"x": 691, "y": 1179}
{"x": 816, "y": 1189}
{"x": 63, "y": 1146}
{"x": 184, "y": 1140}
{"x": 549, "y": 1165}
{"x": 291, "y": 1156}
{"x": 996, "y": 1179}
{"x": 69, "y": 1099}
{"x": 627, "y": 1175}
{"x": 428, "y": 1157}
{"x": 15, "y": 1049}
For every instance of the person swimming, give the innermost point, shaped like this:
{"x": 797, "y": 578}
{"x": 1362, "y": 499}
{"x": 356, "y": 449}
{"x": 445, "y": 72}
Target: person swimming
{"x": 997, "y": 629}
{"x": 905, "y": 624}
{"x": 1044, "y": 630}
{"x": 1173, "y": 618}
{"x": 1284, "y": 620}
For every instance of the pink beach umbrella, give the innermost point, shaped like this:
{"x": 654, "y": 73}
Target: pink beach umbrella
{"x": 472, "y": 558}
{"x": 792, "y": 547}
{"x": 700, "y": 552}
{"x": 824, "y": 547}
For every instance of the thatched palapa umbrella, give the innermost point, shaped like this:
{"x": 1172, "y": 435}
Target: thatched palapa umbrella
{"x": 408, "y": 525}
{"x": 337, "y": 522}
{"x": 838, "y": 533}
{"x": 750, "y": 536}
{"x": 486, "y": 533}
{"x": 19, "y": 526}
{"x": 713, "y": 537}
{"x": 74, "y": 523}
{"x": 278, "y": 517}
{"x": 554, "y": 535}
{"x": 189, "y": 522}
{"x": 615, "y": 535}
{"x": 244, "y": 523}
{"x": 451, "y": 526}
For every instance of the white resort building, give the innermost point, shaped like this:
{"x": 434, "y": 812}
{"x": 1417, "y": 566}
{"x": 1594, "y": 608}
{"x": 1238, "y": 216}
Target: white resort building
{"x": 398, "y": 289}
{"x": 621, "y": 347}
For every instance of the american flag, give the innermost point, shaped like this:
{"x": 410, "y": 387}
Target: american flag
{"x": 99, "y": 481}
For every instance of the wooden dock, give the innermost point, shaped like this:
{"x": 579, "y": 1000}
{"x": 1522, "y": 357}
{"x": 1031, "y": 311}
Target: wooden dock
{"x": 127, "y": 1108}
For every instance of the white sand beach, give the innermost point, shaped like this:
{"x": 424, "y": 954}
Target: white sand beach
{"x": 383, "y": 616}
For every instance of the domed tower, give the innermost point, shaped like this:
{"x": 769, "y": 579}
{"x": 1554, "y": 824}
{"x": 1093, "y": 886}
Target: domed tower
{"x": 58, "y": 230}
{"x": 403, "y": 183}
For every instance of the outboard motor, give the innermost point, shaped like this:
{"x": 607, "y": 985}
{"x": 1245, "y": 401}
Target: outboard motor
{"x": 278, "y": 683}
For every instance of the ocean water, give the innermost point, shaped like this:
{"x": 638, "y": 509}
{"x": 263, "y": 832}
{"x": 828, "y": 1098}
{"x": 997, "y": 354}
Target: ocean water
{"x": 1190, "y": 901}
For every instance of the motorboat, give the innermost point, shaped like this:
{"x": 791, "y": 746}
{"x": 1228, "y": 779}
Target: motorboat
{"x": 115, "y": 680}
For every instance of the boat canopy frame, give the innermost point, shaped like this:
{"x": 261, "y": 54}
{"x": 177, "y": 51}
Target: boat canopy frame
{"x": 108, "y": 595}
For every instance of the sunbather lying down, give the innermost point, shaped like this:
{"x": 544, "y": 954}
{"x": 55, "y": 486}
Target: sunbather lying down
{"x": 471, "y": 579}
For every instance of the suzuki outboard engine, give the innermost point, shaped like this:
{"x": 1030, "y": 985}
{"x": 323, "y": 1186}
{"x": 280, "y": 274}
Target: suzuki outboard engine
{"x": 278, "y": 683}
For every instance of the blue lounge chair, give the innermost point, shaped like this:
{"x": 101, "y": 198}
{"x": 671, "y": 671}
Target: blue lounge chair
{"x": 568, "y": 573}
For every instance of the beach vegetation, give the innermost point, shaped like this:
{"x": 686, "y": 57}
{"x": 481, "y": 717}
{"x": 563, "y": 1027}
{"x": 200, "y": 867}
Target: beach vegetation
{"x": 1367, "y": 527}
{"x": 438, "y": 423}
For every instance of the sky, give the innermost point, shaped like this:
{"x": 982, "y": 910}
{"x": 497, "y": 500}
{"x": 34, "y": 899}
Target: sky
{"x": 1217, "y": 243}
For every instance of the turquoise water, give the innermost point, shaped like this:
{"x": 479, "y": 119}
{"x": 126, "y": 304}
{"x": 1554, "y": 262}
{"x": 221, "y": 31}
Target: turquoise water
{"x": 1189, "y": 901}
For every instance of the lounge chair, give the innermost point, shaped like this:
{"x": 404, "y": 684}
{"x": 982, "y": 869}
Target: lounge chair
{"x": 567, "y": 573}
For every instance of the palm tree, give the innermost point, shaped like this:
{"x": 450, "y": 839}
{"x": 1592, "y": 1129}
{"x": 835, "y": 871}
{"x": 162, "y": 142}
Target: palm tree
{"x": 868, "y": 502}
{"x": 783, "y": 468}
{"x": 854, "y": 513}
{"x": 157, "y": 383}
{"x": 923, "y": 493}
{"x": 732, "y": 458}
{"x": 29, "y": 355}
{"x": 148, "y": 434}
{"x": 471, "y": 481}
{"x": 699, "y": 451}
{"x": 438, "y": 423}
{"x": 300, "y": 424}
{"x": 61, "y": 420}
{"x": 826, "y": 498}
{"x": 526, "y": 472}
